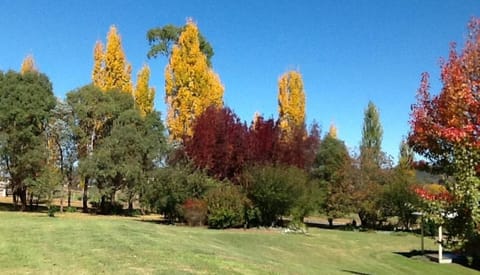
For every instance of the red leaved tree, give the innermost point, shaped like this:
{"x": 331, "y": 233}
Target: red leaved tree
{"x": 219, "y": 143}
{"x": 445, "y": 128}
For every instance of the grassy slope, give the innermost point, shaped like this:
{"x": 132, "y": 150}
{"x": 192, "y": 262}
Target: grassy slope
{"x": 80, "y": 244}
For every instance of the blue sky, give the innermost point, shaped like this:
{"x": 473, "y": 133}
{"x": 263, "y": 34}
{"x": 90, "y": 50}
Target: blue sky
{"x": 349, "y": 52}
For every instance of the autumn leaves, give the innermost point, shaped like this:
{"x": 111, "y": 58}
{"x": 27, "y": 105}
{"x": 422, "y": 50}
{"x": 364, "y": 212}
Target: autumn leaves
{"x": 111, "y": 71}
{"x": 191, "y": 85}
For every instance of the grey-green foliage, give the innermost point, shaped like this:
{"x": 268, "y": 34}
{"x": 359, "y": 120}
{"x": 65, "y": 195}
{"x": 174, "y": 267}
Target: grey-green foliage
{"x": 25, "y": 104}
{"x": 277, "y": 191}
{"x": 169, "y": 187}
{"x": 162, "y": 39}
{"x": 93, "y": 114}
{"x": 118, "y": 147}
{"x": 60, "y": 132}
{"x": 125, "y": 159}
{"x": 372, "y": 134}
{"x": 227, "y": 206}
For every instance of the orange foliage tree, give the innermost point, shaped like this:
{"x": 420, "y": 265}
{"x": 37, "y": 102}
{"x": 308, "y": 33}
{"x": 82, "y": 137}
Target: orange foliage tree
{"x": 445, "y": 128}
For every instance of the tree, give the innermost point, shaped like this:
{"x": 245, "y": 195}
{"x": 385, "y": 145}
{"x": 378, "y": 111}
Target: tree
{"x": 98, "y": 73}
{"x": 144, "y": 94}
{"x": 300, "y": 149}
{"x": 25, "y": 104}
{"x": 444, "y": 129}
{"x": 372, "y": 132}
{"x": 125, "y": 159}
{"x": 191, "y": 86}
{"x": 331, "y": 167}
{"x": 162, "y": 39}
{"x": 28, "y": 65}
{"x": 111, "y": 70}
{"x": 219, "y": 144}
{"x": 399, "y": 198}
{"x": 291, "y": 102}
{"x": 263, "y": 139}
{"x": 61, "y": 146}
{"x": 332, "y": 132}
{"x": 373, "y": 168}
{"x": 93, "y": 115}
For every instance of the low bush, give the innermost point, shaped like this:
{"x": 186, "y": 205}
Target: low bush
{"x": 52, "y": 209}
{"x": 194, "y": 212}
{"x": 71, "y": 209}
{"x": 227, "y": 207}
{"x": 276, "y": 191}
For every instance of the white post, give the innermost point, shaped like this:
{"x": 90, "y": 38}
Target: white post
{"x": 440, "y": 248}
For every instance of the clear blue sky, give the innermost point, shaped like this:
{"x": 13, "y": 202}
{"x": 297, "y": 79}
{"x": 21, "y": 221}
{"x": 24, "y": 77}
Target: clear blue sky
{"x": 349, "y": 52}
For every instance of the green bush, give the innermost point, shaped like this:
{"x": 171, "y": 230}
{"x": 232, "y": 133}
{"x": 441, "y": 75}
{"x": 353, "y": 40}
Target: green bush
{"x": 52, "y": 209}
{"x": 71, "y": 209}
{"x": 227, "y": 207}
{"x": 171, "y": 187}
{"x": 275, "y": 191}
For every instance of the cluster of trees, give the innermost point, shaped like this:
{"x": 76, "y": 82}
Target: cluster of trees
{"x": 210, "y": 168}
{"x": 207, "y": 166}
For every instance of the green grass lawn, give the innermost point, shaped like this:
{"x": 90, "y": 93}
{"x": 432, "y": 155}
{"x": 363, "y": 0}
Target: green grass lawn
{"x": 81, "y": 244}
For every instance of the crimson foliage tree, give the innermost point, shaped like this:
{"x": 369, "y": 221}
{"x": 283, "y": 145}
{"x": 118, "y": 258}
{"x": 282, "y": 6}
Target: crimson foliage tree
{"x": 219, "y": 143}
{"x": 224, "y": 146}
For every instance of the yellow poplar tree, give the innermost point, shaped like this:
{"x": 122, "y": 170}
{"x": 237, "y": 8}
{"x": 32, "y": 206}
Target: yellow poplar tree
{"x": 291, "y": 102}
{"x": 110, "y": 67}
{"x": 333, "y": 132}
{"x": 98, "y": 73}
{"x": 28, "y": 65}
{"x": 191, "y": 86}
{"x": 144, "y": 94}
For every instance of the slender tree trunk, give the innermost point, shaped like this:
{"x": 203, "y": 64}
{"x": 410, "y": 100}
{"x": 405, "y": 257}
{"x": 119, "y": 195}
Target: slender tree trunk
{"x": 85, "y": 195}
{"x": 130, "y": 205}
{"x": 69, "y": 196}
{"x": 31, "y": 201}
{"x": 15, "y": 200}
{"x": 61, "y": 199}
{"x": 23, "y": 198}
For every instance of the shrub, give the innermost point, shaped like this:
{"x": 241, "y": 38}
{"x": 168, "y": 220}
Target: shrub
{"x": 52, "y": 209}
{"x": 274, "y": 190}
{"x": 194, "y": 212}
{"x": 227, "y": 207}
{"x": 171, "y": 187}
{"x": 71, "y": 209}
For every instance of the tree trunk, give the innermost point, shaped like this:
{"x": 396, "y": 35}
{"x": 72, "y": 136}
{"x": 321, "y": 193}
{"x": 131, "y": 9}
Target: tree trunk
{"x": 85, "y": 195}
{"x": 69, "y": 197}
{"x": 15, "y": 200}
{"x": 330, "y": 222}
{"x": 31, "y": 202}
{"x": 23, "y": 198}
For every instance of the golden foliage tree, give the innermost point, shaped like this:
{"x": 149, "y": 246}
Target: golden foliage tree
{"x": 111, "y": 70}
{"x": 291, "y": 102}
{"x": 28, "y": 65}
{"x": 333, "y": 132}
{"x": 144, "y": 94}
{"x": 191, "y": 86}
{"x": 98, "y": 73}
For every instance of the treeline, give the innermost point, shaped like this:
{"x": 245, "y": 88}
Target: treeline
{"x": 205, "y": 166}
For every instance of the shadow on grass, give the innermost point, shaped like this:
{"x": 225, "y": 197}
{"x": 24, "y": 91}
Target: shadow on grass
{"x": 354, "y": 272}
{"x": 4, "y": 206}
{"x": 418, "y": 255}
